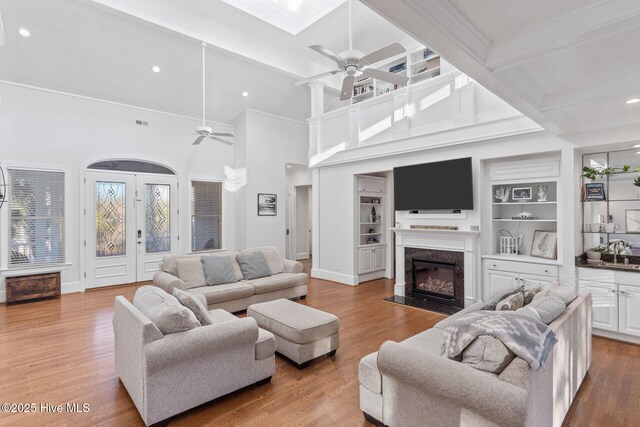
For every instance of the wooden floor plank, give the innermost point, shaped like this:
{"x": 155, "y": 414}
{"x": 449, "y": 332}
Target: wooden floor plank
{"x": 61, "y": 350}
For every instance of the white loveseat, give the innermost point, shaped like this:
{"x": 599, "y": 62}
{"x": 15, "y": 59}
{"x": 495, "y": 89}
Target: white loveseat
{"x": 287, "y": 281}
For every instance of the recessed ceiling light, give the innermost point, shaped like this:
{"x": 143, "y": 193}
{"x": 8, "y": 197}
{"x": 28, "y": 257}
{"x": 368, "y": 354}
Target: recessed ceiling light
{"x": 633, "y": 100}
{"x": 245, "y": 93}
{"x": 288, "y": 166}
{"x": 155, "y": 69}
{"x": 24, "y": 32}
{"x": 636, "y": 146}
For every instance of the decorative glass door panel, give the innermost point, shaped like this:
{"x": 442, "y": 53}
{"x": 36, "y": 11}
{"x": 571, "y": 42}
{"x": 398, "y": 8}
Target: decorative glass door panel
{"x": 157, "y": 218}
{"x": 111, "y": 201}
{"x": 131, "y": 225}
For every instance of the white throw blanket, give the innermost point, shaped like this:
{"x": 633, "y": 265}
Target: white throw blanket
{"x": 528, "y": 338}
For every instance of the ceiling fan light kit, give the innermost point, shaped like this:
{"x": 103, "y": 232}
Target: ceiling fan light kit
{"x": 353, "y": 61}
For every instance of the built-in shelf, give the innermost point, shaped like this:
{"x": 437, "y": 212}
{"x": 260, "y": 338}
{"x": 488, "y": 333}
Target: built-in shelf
{"x": 370, "y": 223}
{"x": 370, "y": 204}
{"x": 610, "y": 200}
{"x": 371, "y": 234}
{"x": 371, "y": 254}
{"x": 523, "y": 258}
{"x": 523, "y": 203}
{"x": 426, "y": 74}
{"x": 523, "y": 220}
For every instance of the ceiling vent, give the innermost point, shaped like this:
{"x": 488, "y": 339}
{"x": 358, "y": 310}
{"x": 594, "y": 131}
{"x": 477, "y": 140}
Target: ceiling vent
{"x": 142, "y": 123}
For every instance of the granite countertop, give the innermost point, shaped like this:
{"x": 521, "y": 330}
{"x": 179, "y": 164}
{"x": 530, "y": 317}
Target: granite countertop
{"x": 581, "y": 261}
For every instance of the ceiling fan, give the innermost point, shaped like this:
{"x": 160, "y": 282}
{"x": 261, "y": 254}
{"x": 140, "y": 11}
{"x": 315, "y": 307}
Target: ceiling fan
{"x": 352, "y": 61}
{"x": 205, "y": 131}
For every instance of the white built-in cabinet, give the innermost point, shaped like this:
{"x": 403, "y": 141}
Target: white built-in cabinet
{"x": 616, "y": 300}
{"x": 371, "y": 245}
{"x": 502, "y": 276}
{"x": 531, "y": 186}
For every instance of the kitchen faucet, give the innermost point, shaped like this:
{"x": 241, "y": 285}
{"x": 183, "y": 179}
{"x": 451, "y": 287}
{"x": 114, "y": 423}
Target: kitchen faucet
{"x": 616, "y": 250}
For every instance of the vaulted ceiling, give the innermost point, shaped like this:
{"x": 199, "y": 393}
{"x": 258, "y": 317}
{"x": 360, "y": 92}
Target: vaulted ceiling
{"x": 570, "y": 65}
{"x": 106, "y": 48}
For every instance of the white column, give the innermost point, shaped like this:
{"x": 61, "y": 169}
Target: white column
{"x": 317, "y": 98}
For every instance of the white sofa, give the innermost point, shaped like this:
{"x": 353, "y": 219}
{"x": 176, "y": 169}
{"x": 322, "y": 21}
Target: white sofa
{"x": 287, "y": 281}
{"x": 410, "y": 384}
{"x": 168, "y": 374}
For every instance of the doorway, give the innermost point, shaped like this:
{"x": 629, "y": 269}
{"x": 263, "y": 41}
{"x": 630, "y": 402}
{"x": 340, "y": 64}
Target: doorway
{"x": 131, "y": 222}
{"x": 302, "y": 222}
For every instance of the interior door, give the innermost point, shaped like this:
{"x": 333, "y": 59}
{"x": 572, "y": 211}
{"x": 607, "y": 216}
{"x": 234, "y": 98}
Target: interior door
{"x": 110, "y": 226}
{"x": 157, "y": 222}
{"x": 131, "y": 223}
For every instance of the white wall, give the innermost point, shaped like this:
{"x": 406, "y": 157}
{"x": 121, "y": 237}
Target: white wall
{"x": 53, "y": 130}
{"x": 334, "y": 238}
{"x": 302, "y": 222}
{"x": 270, "y": 143}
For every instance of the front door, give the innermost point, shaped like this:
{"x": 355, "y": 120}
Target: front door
{"x": 131, "y": 223}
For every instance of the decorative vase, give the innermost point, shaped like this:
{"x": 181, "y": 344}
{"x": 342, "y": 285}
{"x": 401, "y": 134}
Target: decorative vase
{"x": 372, "y": 215}
{"x": 593, "y": 255}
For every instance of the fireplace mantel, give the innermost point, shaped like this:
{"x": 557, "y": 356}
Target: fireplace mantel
{"x": 464, "y": 241}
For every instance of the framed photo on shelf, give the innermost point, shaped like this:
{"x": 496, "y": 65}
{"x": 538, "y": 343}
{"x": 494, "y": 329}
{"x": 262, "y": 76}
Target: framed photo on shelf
{"x": 267, "y": 204}
{"x": 521, "y": 194}
{"x": 593, "y": 191}
{"x": 545, "y": 244}
{"x": 632, "y": 220}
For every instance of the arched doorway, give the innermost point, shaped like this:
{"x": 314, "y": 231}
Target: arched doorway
{"x": 131, "y": 220}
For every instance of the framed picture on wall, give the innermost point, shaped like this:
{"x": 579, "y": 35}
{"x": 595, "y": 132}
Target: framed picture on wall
{"x": 545, "y": 244}
{"x": 521, "y": 194}
{"x": 267, "y": 204}
{"x": 632, "y": 220}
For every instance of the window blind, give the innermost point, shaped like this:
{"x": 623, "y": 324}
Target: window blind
{"x": 206, "y": 215}
{"x": 36, "y": 214}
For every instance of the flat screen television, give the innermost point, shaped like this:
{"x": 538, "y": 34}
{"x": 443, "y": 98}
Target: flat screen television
{"x": 444, "y": 185}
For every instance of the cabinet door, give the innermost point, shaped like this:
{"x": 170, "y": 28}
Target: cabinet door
{"x": 378, "y": 259}
{"x": 629, "y": 306}
{"x": 501, "y": 282}
{"x": 605, "y": 304}
{"x": 371, "y": 185}
{"x": 365, "y": 260}
{"x": 533, "y": 280}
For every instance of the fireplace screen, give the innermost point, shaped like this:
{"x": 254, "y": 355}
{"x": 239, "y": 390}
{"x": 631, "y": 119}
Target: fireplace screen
{"x": 434, "y": 278}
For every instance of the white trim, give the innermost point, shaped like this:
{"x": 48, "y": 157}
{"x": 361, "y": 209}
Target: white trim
{"x": 615, "y": 336}
{"x": 345, "y": 279}
{"x": 4, "y": 213}
{"x": 105, "y": 101}
{"x": 253, "y": 110}
{"x": 41, "y": 269}
{"x": 302, "y": 255}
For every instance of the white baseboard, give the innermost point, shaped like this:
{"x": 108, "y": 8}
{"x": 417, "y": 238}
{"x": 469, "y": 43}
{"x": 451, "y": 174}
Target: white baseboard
{"x": 398, "y": 289}
{"x": 71, "y": 287}
{"x": 615, "y": 336}
{"x": 302, "y": 255}
{"x": 366, "y": 277}
{"x": 345, "y": 279}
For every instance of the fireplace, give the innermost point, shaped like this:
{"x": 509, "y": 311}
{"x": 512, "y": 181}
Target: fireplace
{"x": 434, "y": 280}
{"x": 435, "y": 277}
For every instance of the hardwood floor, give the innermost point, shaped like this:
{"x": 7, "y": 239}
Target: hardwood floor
{"x": 59, "y": 351}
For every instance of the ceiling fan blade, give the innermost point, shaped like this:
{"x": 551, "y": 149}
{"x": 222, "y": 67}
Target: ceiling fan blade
{"x": 385, "y": 76}
{"x": 347, "y": 88}
{"x": 223, "y": 134}
{"x": 326, "y": 52}
{"x": 316, "y": 77}
{"x": 199, "y": 140}
{"x": 224, "y": 141}
{"x": 386, "y": 52}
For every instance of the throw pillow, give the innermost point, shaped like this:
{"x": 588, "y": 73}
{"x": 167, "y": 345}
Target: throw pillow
{"x": 512, "y": 302}
{"x": 218, "y": 270}
{"x": 497, "y": 297}
{"x": 192, "y": 303}
{"x": 566, "y": 292}
{"x": 487, "y": 353}
{"x": 548, "y": 307}
{"x": 164, "y": 310}
{"x": 272, "y": 256}
{"x": 254, "y": 265}
{"x": 190, "y": 272}
{"x": 516, "y": 373}
{"x": 530, "y": 292}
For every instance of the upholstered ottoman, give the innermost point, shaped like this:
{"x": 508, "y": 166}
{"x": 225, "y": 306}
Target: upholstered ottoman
{"x": 302, "y": 333}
